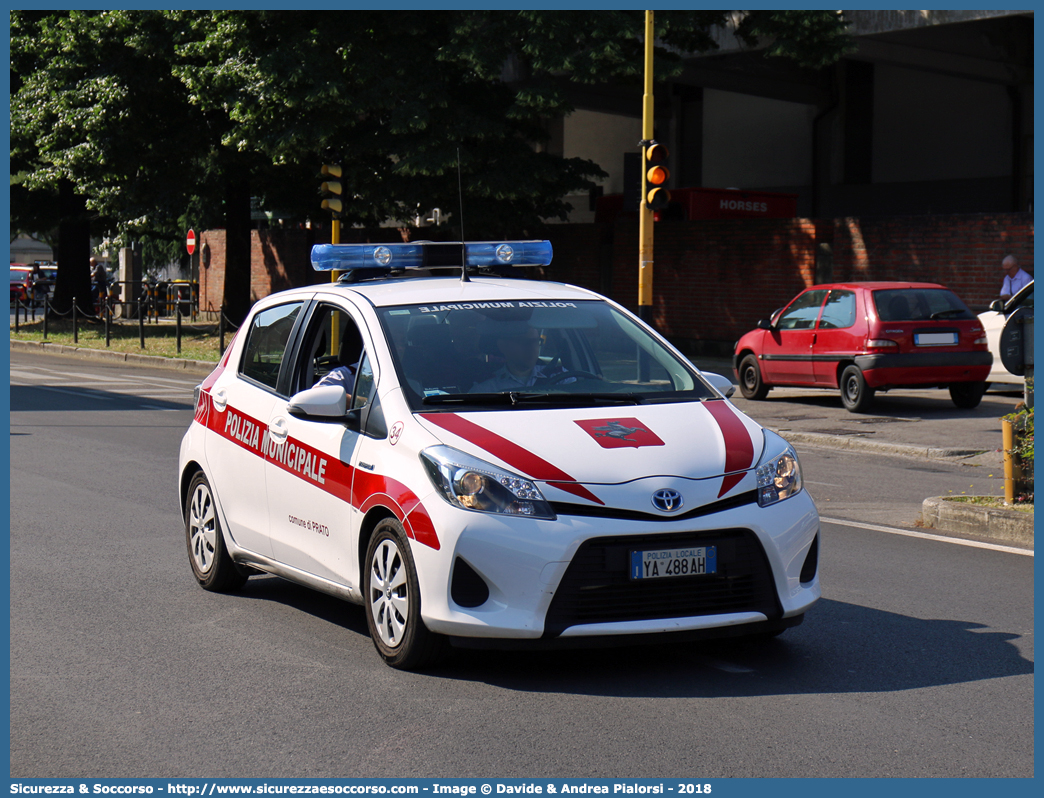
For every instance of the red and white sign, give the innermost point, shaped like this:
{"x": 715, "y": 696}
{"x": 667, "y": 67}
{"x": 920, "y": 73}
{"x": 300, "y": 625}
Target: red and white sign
{"x": 721, "y": 203}
{"x": 190, "y": 242}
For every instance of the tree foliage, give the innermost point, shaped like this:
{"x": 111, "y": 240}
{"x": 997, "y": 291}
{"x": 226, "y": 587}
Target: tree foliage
{"x": 161, "y": 119}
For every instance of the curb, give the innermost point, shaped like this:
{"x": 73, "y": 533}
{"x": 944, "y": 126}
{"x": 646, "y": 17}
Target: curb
{"x": 994, "y": 523}
{"x": 201, "y": 367}
{"x": 875, "y": 447}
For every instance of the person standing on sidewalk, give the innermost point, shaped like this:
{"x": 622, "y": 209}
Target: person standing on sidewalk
{"x": 1015, "y": 279}
{"x": 99, "y": 278}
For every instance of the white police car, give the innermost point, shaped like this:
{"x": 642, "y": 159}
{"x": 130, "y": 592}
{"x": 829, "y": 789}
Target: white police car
{"x": 489, "y": 461}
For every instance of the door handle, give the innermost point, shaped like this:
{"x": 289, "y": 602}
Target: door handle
{"x": 219, "y": 398}
{"x": 278, "y": 429}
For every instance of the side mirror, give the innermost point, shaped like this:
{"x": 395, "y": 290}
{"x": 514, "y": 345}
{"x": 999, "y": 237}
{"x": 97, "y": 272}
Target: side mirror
{"x": 721, "y": 384}
{"x": 764, "y": 324}
{"x": 997, "y": 306}
{"x": 324, "y": 401}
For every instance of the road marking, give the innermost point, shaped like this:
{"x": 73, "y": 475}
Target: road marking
{"x": 975, "y": 544}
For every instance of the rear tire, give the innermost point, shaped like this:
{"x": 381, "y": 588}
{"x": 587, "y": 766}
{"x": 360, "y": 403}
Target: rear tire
{"x": 967, "y": 395}
{"x": 752, "y": 386}
{"x": 211, "y": 564}
{"x": 393, "y": 602}
{"x": 856, "y": 395}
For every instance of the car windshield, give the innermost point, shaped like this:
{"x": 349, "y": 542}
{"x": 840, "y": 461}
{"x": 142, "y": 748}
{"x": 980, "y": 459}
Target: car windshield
{"x": 532, "y": 353}
{"x": 919, "y": 304}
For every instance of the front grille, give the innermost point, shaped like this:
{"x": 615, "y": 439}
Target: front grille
{"x": 596, "y": 587}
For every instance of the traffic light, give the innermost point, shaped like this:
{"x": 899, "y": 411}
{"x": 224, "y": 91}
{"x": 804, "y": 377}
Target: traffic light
{"x": 332, "y": 189}
{"x": 656, "y": 176}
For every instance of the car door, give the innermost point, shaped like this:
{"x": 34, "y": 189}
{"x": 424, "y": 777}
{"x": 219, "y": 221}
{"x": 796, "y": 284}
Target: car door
{"x": 786, "y": 356}
{"x": 241, "y": 402}
{"x": 310, "y": 462}
{"x": 838, "y": 336}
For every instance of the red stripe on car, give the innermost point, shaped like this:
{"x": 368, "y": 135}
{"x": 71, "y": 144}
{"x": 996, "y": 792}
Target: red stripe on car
{"x": 358, "y": 488}
{"x": 510, "y": 452}
{"x": 739, "y": 448}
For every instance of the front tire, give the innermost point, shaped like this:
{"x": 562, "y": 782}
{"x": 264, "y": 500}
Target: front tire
{"x": 856, "y": 395}
{"x": 967, "y": 395}
{"x": 752, "y": 386}
{"x": 393, "y": 602}
{"x": 211, "y": 564}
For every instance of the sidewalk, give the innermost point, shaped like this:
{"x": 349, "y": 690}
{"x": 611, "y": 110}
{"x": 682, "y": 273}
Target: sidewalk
{"x": 922, "y": 424}
{"x": 906, "y": 423}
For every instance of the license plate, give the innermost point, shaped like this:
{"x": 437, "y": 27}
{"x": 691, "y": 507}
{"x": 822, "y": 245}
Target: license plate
{"x": 660, "y": 563}
{"x": 935, "y": 339}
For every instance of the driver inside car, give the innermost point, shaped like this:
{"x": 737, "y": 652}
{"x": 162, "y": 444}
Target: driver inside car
{"x": 520, "y": 347}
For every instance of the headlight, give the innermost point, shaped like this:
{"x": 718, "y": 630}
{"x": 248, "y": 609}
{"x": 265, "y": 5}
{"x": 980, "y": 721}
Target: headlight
{"x": 473, "y": 484}
{"x": 779, "y": 478}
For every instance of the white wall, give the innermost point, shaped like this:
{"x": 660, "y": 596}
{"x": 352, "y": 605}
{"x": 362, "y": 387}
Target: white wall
{"x": 602, "y": 138}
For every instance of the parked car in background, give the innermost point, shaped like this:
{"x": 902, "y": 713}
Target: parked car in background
{"x": 867, "y": 337}
{"x": 25, "y": 287}
{"x": 993, "y": 322}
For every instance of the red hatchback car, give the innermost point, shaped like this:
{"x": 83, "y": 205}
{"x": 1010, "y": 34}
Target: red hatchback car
{"x": 866, "y": 337}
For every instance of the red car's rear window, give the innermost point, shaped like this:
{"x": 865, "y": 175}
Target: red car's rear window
{"x": 919, "y": 304}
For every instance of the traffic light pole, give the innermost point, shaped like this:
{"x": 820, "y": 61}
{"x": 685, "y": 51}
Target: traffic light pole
{"x": 332, "y": 189}
{"x": 645, "y": 213}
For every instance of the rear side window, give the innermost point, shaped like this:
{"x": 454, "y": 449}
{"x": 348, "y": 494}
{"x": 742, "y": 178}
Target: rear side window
{"x": 266, "y": 343}
{"x": 839, "y": 311}
{"x": 919, "y": 304}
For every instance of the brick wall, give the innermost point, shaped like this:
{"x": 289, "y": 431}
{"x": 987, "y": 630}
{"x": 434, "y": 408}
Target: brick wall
{"x": 211, "y": 270}
{"x": 963, "y": 252}
{"x": 713, "y": 279}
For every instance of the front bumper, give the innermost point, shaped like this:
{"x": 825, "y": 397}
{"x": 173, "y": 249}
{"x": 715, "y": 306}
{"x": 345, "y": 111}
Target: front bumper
{"x": 567, "y": 579}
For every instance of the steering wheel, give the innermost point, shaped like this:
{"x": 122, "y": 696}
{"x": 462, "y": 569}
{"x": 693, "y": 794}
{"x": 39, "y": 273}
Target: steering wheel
{"x": 554, "y": 379}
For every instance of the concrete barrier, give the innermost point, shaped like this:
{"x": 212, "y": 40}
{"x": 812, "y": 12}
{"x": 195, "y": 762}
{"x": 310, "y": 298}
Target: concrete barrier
{"x": 1001, "y": 524}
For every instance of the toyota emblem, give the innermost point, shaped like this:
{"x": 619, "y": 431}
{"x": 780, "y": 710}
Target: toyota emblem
{"x": 667, "y": 500}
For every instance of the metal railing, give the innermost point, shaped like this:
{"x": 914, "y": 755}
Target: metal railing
{"x": 155, "y": 301}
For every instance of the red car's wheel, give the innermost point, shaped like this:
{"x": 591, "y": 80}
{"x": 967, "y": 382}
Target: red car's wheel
{"x": 856, "y": 395}
{"x": 751, "y": 384}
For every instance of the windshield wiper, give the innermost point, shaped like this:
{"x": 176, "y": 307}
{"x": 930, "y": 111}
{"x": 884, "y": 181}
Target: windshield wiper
{"x": 578, "y": 398}
{"x": 468, "y": 398}
{"x": 518, "y": 398}
{"x": 940, "y": 313}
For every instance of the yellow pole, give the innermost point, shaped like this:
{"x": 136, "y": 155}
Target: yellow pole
{"x": 1007, "y": 443}
{"x": 335, "y": 238}
{"x": 645, "y": 214}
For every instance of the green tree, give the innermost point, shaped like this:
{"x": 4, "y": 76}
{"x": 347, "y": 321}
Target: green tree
{"x": 146, "y": 116}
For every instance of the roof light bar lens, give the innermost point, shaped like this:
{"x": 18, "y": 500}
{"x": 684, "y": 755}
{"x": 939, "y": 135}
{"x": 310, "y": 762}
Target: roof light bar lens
{"x": 512, "y": 253}
{"x": 344, "y": 257}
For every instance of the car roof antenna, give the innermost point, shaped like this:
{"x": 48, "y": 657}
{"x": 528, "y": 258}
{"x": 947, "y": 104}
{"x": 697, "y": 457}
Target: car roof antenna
{"x": 463, "y": 247}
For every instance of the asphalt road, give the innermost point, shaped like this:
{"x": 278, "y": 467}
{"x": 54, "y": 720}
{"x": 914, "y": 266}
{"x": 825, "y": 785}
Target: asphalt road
{"x": 918, "y": 662}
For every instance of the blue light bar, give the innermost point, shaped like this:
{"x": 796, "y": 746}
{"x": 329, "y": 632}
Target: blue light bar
{"x": 346, "y": 257}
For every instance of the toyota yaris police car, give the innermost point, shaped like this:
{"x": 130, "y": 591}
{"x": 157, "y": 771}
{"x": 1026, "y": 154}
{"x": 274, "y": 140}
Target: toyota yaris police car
{"x": 489, "y": 461}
